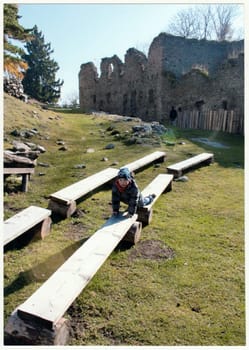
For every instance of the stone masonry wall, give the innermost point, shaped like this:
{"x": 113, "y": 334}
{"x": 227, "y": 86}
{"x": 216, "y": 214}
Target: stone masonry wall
{"x": 185, "y": 73}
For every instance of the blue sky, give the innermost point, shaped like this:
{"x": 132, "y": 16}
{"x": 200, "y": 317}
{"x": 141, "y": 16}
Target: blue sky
{"x": 82, "y": 32}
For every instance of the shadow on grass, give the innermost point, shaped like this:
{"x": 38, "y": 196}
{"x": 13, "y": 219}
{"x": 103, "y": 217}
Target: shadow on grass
{"x": 41, "y": 272}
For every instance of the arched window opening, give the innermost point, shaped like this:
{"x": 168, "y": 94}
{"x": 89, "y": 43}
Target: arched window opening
{"x": 110, "y": 70}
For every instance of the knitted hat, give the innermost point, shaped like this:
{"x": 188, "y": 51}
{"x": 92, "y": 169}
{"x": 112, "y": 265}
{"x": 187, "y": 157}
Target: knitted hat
{"x": 124, "y": 173}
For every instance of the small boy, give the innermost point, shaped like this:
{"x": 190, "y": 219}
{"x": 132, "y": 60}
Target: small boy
{"x": 125, "y": 190}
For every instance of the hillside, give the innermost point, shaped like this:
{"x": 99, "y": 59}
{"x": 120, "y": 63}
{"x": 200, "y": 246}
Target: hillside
{"x": 193, "y": 296}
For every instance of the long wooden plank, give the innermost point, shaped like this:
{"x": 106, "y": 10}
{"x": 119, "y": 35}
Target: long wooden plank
{"x": 157, "y": 186}
{"x": 48, "y": 304}
{"x": 12, "y": 171}
{"x": 145, "y": 160}
{"x": 23, "y": 221}
{"x": 80, "y": 188}
{"x": 190, "y": 162}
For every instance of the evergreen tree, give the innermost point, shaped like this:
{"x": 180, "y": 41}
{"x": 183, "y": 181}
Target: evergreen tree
{"x": 14, "y": 65}
{"x": 40, "y": 79}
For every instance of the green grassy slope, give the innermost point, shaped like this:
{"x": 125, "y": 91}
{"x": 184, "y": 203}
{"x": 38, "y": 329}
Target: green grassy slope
{"x": 195, "y": 298}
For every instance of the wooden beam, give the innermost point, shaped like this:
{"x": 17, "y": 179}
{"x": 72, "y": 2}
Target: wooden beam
{"x": 178, "y": 168}
{"x": 161, "y": 183}
{"x": 81, "y": 188}
{"x": 25, "y": 220}
{"x": 49, "y": 303}
{"x": 142, "y": 162}
{"x": 18, "y": 171}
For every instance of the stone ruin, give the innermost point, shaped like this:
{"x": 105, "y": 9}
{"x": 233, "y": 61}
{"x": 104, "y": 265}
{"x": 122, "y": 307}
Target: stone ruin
{"x": 185, "y": 73}
{"x": 13, "y": 86}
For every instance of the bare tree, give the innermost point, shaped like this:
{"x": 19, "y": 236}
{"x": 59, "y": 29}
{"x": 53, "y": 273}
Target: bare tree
{"x": 222, "y": 19}
{"x": 204, "y": 15}
{"x": 205, "y": 22}
{"x": 184, "y": 24}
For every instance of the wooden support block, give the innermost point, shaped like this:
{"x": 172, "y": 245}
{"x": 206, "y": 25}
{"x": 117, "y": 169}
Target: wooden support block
{"x": 19, "y": 332}
{"x": 145, "y": 215}
{"x": 45, "y": 227}
{"x": 134, "y": 233}
{"x": 65, "y": 210}
{"x": 25, "y": 182}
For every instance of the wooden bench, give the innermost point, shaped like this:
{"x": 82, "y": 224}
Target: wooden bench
{"x": 27, "y": 219}
{"x": 40, "y": 318}
{"x": 24, "y": 172}
{"x": 63, "y": 202}
{"x": 179, "y": 168}
{"x": 161, "y": 183}
{"x": 142, "y": 162}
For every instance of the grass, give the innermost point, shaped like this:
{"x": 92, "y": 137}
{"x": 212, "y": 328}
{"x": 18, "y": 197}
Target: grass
{"x": 195, "y": 298}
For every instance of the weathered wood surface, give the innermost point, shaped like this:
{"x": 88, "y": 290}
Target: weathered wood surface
{"x": 23, "y": 221}
{"x": 49, "y": 303}
{"x": 160, "y": 183}
{"x": 81, "y": 188}
{"x": 179, "y": 167}
{"x": 155, "y": 156}
{"x": 134, "y": 233}
{"x": 18, "y": 171}
{"x": 157, "y": 186}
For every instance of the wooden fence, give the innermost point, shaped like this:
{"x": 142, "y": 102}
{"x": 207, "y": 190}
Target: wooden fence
{"x": 217, "y": 120}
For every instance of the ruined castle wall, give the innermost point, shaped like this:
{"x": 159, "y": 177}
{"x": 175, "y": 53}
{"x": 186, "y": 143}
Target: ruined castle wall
{"x": 178, "y": 72}
{"x": 180, "y": 55}
{"x": 88, "y": 82}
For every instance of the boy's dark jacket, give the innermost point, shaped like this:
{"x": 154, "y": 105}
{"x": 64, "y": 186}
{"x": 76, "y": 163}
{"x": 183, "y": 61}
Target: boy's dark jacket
{"x": 131, "y": 196}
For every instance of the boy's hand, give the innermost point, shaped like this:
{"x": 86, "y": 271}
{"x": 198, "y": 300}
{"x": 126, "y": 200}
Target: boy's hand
{"x": 115, "y": 213}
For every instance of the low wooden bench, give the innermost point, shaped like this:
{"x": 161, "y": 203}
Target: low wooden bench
{"x": 24, "y": 172}
{"x": 157, "y": 156}
{"x": 63, "y": 202}
{"x": 26, "y": 220}
{"x": 179, "y": 168}
{"x": 161, "y": 183}
{"x": 39, "y": 320}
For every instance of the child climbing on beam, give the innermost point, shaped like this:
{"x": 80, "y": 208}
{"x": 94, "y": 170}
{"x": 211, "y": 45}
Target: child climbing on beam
{"x": 125, "y": 190}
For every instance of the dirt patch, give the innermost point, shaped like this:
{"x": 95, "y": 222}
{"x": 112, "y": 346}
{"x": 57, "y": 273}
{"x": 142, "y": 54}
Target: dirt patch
{"x": 152, "y": 249}
{"x": 76, "y": 232}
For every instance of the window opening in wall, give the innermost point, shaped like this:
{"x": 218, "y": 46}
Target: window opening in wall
{"x": 94, "y": 99}
{"x": 101, "y": 105}
{"x": 224, "y": 105}
{"x": 108, "y": 97}
{"x": 125, "y": 100}
{"x": 110, "y": 70}
{"x": 133, "y": 106}
{"x": 199, "y": 104}
{"x": 151, "y": 96}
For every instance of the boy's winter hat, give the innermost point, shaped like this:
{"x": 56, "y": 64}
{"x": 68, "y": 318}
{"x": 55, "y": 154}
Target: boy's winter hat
{"x": 124, "y": 173}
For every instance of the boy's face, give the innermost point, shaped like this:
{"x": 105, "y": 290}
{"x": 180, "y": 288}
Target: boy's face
{"x": 123, "y": 182}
